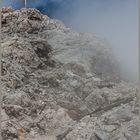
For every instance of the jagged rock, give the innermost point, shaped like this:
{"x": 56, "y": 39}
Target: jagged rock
{"x": 6, "y": 9}
{"x": 52, "y": 78}
{"x": 68, "y": 47}
{"x": 13, "y": 110}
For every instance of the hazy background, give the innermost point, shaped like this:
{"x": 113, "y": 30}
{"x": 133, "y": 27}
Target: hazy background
{"x": 113, "y": 20}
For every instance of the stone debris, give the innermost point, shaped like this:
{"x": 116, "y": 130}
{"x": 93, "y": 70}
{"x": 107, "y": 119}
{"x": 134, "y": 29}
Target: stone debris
{"x": 61, "y": 85}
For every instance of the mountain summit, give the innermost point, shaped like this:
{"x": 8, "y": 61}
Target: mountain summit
{"x": 67, "y": 45}
{"x": 60, "y": 84}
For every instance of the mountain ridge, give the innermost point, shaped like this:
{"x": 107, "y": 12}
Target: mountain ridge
{"x": 60, "y": 84}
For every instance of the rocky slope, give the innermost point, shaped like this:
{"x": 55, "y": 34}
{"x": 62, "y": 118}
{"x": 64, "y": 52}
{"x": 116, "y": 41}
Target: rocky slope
{"x": 61, "y": 85}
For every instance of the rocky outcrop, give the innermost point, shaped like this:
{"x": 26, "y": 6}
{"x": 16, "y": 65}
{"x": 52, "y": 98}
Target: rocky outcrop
{"x": 59, "y": 84}
{"x": 68, "y": 46}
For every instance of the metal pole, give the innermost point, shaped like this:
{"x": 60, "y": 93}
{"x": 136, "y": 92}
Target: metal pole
{"x": 25, "y": 3}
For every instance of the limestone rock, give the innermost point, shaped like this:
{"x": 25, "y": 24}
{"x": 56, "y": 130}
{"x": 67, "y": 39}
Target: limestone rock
{"x": 52, "y": 78}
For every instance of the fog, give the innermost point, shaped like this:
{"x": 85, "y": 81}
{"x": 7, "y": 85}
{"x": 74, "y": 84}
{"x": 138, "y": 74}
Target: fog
{"x": 113, "y": 20}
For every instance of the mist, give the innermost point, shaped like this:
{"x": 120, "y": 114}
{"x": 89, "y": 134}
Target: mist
{"x": 115, "y": 21}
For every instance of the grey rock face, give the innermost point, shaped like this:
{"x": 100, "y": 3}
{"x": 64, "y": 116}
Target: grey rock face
{"x": 68, "y": 45}
{"x": 51, "y": 85}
